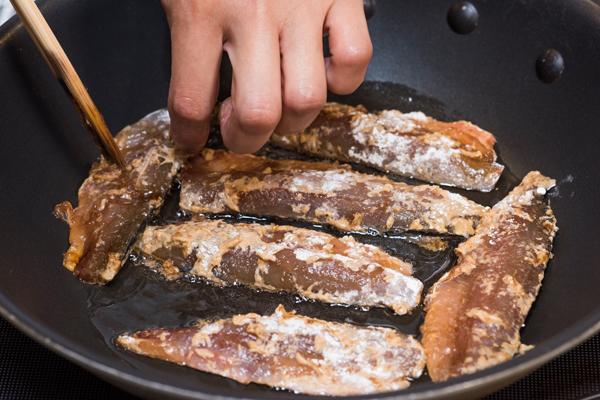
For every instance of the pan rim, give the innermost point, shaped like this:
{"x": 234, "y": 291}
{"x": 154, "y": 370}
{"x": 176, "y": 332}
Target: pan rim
{"x": 116, "y": 373}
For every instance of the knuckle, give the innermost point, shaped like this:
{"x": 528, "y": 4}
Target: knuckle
{"x": 263, "y": 118}
{"x": 305, "y": 101}
{"x": 190, "y": 107}
{"x": 357, "y": 56}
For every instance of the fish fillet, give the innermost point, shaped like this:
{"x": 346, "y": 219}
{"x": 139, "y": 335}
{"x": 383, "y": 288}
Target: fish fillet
{"x": 283, "y": 258}
{"x": 475, "y": 311}
{"x": 414, "y": 145}
{"x": 288, "y": 351}
{"x": 114, "y": 203}
{"x": 219, "y": 181}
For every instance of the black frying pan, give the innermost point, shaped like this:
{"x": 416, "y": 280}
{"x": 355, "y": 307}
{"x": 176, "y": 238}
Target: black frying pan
{"x": 122, "y": 52}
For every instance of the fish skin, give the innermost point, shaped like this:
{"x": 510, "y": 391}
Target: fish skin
{"x": 446, "y": 153}
{"x": 475, "y": 311}
{"x": 114, "y": 204}
{"x": 324, "y": 193}
{"x": 284, "y": 350}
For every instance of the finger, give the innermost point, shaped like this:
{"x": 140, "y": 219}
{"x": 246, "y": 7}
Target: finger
{"x": 254, "y": 110}
{"x": 349, "y": 44}
{"x": 196, "y": 54}
{"x": 304, "y": 80}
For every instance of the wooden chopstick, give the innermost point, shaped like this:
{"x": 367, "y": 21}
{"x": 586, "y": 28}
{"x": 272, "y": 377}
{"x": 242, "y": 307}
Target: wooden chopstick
{"x": 63, "y": 70}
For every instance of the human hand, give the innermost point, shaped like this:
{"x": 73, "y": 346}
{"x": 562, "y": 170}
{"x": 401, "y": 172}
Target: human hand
{"x": 280, "y": 78}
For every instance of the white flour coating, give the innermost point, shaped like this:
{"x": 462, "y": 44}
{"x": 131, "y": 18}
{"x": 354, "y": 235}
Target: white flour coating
{"x": 352, "y": 201}
{"x": 404, "y": 292}
{"x": 209, "y": 240}
{"x": 399, "y": 122}
{"x": 370, "y": 158}
{"x": 312, "y": 240}
{"x": 210, "y": 249}
{"x": 336, "y": 359}
{"x": 362, "y": 125}
{"x": 323, "y": 181}
{"x": 342, "y": 346}
{"x": 400, "y": 288}
{"x": 501, "y": 258}
{"x": 441, "y": 151}
{"x": 413, "y": 145}
{"x": 425, "y": 161}
{"x": 390, "y": 149}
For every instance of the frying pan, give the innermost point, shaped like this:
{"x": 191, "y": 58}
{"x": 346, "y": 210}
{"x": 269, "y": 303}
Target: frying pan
{"x": 122, "y": 53}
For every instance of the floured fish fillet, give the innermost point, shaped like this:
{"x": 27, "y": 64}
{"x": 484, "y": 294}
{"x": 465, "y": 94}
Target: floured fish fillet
{"x": 288, "y": 351}
{"x": 475, "y": 311}
{"x": 414, "y": 145}
{"x": 218, "y": 181}
{"x": 114, "y": 203}
{"x": 284, "y": 258}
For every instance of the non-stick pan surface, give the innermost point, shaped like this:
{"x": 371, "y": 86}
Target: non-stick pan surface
{"x": 122, "y": 52}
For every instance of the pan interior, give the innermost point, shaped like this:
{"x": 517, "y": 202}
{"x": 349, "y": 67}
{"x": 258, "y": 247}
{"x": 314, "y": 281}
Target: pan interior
{"x": 122, "y": 54}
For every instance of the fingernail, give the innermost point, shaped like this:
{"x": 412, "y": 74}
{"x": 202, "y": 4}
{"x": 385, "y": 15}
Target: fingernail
{"x": 327, "y": 62}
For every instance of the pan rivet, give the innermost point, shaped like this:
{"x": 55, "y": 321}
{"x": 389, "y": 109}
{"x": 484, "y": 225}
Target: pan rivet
{"x": 549, "y": 66}
{"x": 462, "y": 17}
{"x": 369, "y": 8}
